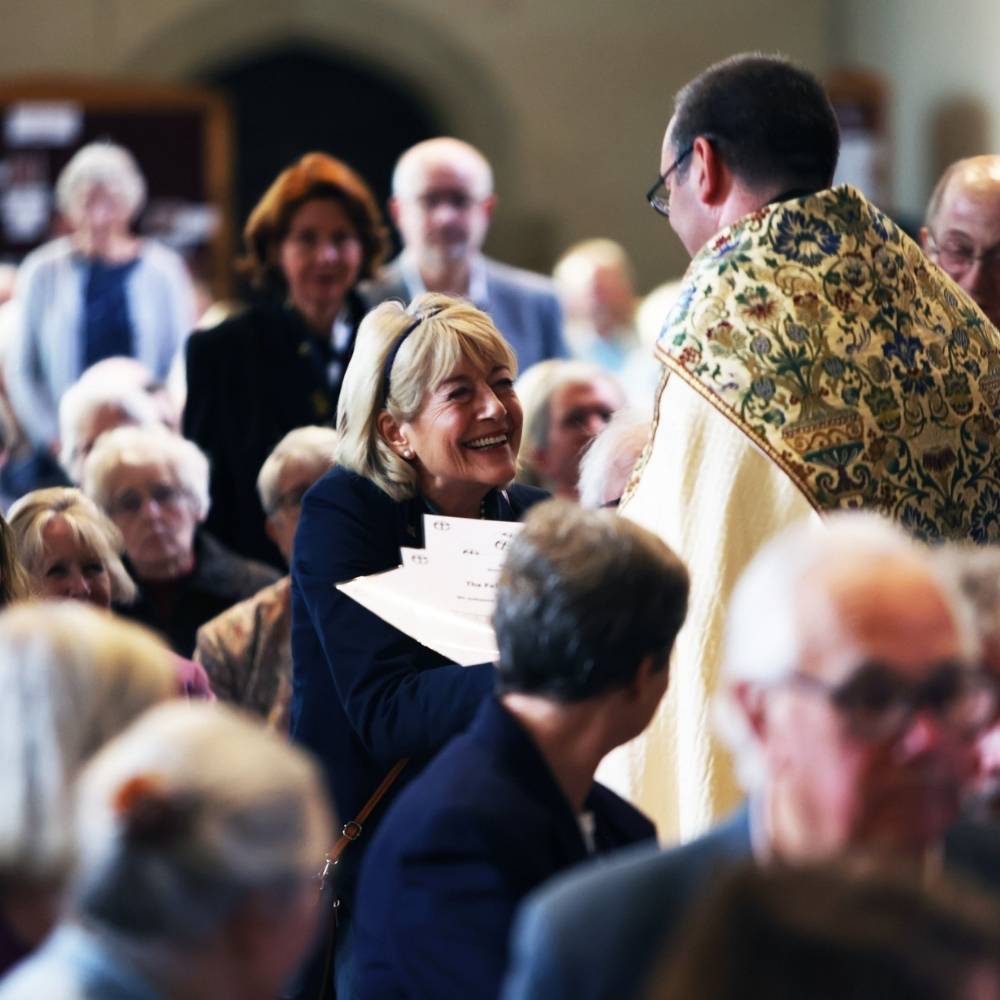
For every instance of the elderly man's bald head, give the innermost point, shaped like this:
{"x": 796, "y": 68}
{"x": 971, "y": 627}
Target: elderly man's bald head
{"x": 786, "y": 597}
{"x": 976, "y": 175}
{"x": 419, "y": 159}
{"x": 962, "y": 231}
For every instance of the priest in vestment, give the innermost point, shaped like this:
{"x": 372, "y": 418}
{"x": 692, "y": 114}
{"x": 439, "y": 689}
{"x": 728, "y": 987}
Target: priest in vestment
{"x": 814, "y": 361}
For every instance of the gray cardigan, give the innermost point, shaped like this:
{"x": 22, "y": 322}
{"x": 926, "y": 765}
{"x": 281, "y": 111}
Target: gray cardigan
{"x": 44, "y": 356}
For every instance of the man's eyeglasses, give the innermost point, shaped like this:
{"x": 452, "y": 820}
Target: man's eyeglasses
{"x": 958, "y": 257}
{"x": 460, "y": 201}
{"x": 658, "y": 195}
{"x": 877, "y": 704}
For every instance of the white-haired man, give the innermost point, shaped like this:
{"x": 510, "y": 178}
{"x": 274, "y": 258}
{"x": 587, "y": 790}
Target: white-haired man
{"x": 852, "y": 705}
{"x": 442, "y": 202}
{"x": 566, "y": 405}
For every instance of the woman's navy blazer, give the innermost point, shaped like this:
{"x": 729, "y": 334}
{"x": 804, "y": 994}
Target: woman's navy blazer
{"x": 364, "y": 693}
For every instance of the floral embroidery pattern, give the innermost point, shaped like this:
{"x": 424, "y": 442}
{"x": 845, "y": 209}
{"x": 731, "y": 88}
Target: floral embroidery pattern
{"x": 822, "y": 330}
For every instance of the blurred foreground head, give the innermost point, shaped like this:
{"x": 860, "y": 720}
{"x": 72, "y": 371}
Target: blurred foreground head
{"x": 851, "y": 697}
{"x": 825, "y": 933}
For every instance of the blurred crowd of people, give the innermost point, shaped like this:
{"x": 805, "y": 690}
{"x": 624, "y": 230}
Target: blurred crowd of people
{"x": 742, "y": 734}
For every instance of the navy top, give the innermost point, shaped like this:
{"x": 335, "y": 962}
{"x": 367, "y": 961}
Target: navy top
{"x": 365, "y": 694}
{"x": 107, "y": 325}
{"x": 485, "y": 824}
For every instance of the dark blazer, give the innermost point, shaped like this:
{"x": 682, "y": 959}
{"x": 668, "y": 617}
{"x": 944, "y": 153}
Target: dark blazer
{"x": 250, "y": 380}
{"x": 483, "y": 825}
{"x": 220, "y": 579}
{"x": 522, "y": 304}
{"x": 639, "y": 902}
{"x": 363, "y": 693}
{"x": 598, "y": 932}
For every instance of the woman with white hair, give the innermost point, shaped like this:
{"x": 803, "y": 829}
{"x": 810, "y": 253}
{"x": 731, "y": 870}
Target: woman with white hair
{"x": 429, "y": 423}
{"x": 198, "y": 836}
{"x": 153, "y": 484}
{"x": 93, "y": 405}
{"x": 72, "y": 677}
{"x": 99, "y": 292}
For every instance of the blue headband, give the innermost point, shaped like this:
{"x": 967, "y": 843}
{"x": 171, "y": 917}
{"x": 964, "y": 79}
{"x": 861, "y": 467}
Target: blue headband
{"x": 390, "y": 358}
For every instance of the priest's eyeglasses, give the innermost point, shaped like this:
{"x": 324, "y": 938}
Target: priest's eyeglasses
{"x": 658, "y": 195}
{"x": 878, "y": 704}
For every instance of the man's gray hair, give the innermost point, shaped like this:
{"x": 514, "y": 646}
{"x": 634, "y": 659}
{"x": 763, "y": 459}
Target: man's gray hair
{"x": 313, "y": 445}
{"x": 441, "y": 149}
{"x": 974, "y": 572}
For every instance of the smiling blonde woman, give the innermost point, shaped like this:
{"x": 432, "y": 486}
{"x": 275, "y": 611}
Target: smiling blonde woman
{"x": 429, "y": 423}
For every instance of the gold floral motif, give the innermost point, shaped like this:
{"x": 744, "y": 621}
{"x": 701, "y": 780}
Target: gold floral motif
{"x": 823, "y": 332}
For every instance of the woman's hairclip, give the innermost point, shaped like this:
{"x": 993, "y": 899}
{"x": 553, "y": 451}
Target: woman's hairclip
{"x": 148, "y": 813}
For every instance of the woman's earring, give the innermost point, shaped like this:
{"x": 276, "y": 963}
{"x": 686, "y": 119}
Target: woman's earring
{"x": 408, "y": 454}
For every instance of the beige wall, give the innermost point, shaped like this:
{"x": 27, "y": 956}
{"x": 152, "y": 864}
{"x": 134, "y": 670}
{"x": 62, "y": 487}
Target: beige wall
{"x": 941, "y": 61}
{"x": 568, "y": 97}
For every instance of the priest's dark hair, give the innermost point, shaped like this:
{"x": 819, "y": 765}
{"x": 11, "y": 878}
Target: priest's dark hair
{"x": 584, "y": 597}
{"x": 771, "y": 121}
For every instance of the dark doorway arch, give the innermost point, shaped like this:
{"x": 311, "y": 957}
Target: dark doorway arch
{"x": 297, "y": 98}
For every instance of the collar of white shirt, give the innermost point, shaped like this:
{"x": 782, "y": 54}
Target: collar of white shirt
{"x": 478, "y": 293}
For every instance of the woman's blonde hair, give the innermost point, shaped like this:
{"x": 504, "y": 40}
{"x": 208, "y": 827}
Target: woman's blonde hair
{"x": 91, "y": 528}
{"x": 14, "y": 582}
{"x": 184, "y": 816}
{"x": 71, "y": 677}
{"x": 447, "y": 331}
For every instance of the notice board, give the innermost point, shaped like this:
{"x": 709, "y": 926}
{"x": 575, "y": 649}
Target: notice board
{"x": 180, "y": 136}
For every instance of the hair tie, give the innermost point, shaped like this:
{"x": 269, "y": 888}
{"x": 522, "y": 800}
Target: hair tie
{"x": 148, "y": 814}
{"x": 390, "y": 358}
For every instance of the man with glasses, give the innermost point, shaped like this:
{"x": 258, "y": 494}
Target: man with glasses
{"x": 962, "y": 234}
{"x": 852, "y": 701}
{"x": 816, "y": 362}
{"x": 566, "y": 404}
{"x": 442, "y": 203}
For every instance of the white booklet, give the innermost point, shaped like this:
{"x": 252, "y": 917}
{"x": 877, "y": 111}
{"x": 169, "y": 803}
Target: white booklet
{"x": 443, "y": 595}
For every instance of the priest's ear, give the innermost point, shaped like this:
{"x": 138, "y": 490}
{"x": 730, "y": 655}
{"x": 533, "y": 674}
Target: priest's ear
{"x": 712, "y": 176}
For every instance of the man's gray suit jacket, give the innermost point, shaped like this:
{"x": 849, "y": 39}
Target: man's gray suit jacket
{"x": 523, "y": 306}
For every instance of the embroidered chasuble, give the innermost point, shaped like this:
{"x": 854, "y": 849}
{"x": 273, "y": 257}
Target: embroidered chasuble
{"x": 815, "y": 360}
